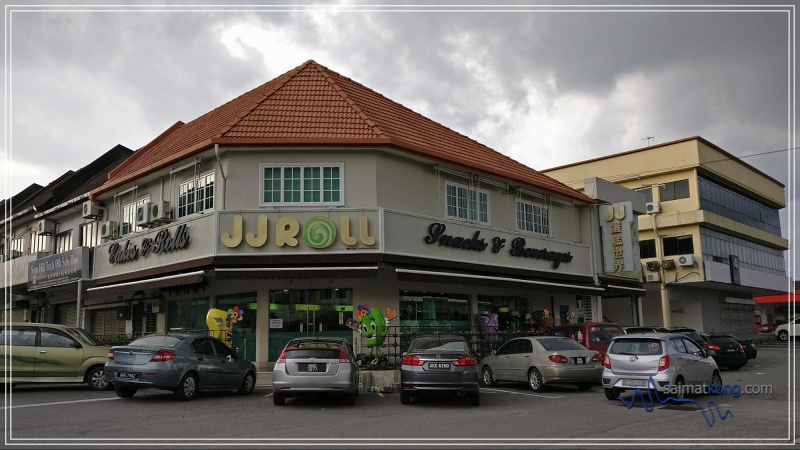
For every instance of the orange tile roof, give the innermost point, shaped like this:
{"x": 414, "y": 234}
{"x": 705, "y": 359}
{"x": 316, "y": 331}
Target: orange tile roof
{"x": 312, "y": 105}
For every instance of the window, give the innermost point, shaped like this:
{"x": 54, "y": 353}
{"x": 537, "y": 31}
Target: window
{"x": 647, "y": 248}
{"x": 40, "y": 243}
{"x": 678, "y": 245}
{"x": 129, "y": 216}
{"x": 733, "y": 205}
{"x": 466, "y": 203}
{"x": 533, "y": 217}
{"x": 90, "y": 234}
{"x": 302, "y": 184}
{"x": 203, "y": 347}
{"x": 17, "y": 247}
{"x": 674, "y": 190}
{"x": 196, "y": 195}
{"x": 53, "y": 339}
{"x": 717, "y": 246}
{"x": 64, "y": 241}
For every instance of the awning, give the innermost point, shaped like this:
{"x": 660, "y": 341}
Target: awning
{"x": 249, "y": 273}
{"x": 625, "y": 289}
{"x": 780, "y": 298}
{"x": 182, "y": 279}
{"x": 428, "y": 276}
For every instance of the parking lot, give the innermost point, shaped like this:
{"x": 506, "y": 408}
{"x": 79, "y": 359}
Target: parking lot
{"x": 508, "y": 414}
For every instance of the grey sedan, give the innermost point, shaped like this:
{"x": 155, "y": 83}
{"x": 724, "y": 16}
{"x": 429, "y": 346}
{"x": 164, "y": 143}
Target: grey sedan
{"x": 179, "y": 362}
{"x": 542, "y": 360}
{"x": 439, "y": 363}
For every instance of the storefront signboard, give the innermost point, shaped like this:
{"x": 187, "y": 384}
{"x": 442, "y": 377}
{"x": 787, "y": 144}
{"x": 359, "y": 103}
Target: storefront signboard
{"x": 62, "y": 268}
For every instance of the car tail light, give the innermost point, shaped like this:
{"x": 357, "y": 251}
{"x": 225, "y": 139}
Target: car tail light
{"x": 607, "y": 362}
{"x": 714, "y": 347}
{"x": 741, "y": 348}
{"x": 558, "y": 358}
{"x": 282, "y": 358}
{"x": 465, "y": 361}
{"x": 343, "y": 356}
{"x": 663, "y": 363}
{"x": 597, "y": 358}
{"x": 110, "y": 354}
{"x": 162, "y": 355}
{"x": 411, "y": 361}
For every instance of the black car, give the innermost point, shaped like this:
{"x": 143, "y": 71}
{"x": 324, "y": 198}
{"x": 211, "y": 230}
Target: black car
{"x": 749, "y": 345}
{"x": 436, "y": 363}
{"x": 691, "y": 333}
{"x": 728, "y": 352}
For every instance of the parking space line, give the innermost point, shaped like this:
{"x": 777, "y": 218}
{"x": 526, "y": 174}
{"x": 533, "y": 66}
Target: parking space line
{"x": 62, "y": 403}
{"x": 522, "y": 393}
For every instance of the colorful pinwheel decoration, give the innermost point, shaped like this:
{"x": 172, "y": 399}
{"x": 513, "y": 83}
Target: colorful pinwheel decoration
{"x": 362, "y": 310}
{"x": 546, "y": 314}
{"x": 570, "y": 315}
{"x": 234, "y": 315}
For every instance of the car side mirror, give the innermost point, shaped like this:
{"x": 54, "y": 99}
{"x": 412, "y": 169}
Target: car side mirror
{"x": 494, "y": 352}
{"x": 75, "y": 344}
{"x": 709, "y": 352}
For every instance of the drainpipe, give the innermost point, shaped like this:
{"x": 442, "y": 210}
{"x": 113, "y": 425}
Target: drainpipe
{"x": 666, "y": 312}
{"x": 224, "y": 178}
{"x": 593, "y": 242}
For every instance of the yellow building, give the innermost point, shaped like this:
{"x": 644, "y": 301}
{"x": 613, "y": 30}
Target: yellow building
{"x": 711, "y": 238}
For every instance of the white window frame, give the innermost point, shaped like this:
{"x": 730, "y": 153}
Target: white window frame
{"x": 196, "y": 180}
{"x": 302, "y": 167}
{"x": 17, "y": 247}
{"x": 523, "y": 223}
{"x": 129, "y": 212}
{"x": 470, "y": 215}
{"x": 90, "y": 234}
{"x": 40, "y": 243}
{"x": 63, "y": 242}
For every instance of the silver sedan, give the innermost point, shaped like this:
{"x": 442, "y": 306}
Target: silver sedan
{"x": 541, "y": 360}
{"x": 179, "y": 362}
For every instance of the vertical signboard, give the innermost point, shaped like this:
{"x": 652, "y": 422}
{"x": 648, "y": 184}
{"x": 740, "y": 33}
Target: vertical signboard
{"x": 619, "y": 233}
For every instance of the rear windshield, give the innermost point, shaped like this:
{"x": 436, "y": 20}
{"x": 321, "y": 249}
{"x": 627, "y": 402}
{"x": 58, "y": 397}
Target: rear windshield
{"x": 560, "y": 344}
{"x": 636, "y": 347}
{"x": 158, "y": 341}
{"x": 719, "y": 340}
{"x": 449, "y": 343}
{"x": 311, "y": 352}
{"x": 604, "y": 333}
{"x": 314, "y": 344}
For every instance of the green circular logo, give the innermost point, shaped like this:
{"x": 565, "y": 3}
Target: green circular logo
{"x": 319, "y": 232}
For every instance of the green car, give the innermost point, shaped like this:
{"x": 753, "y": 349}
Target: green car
{"x": 52, "y": 353}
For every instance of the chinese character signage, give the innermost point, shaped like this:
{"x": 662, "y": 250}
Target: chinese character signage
{"x": 63, "y": 268}
{"x": 619, "y": 233}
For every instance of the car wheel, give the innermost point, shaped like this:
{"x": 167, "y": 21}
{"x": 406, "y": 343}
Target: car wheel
{"x": 783, "y": 335}
{"x": 734, "y": 367}
{"x": 716, "y": 379}
{"x": 488, "y": 376}
{"x": 248, "y": 384}
{"x": 475, "y": 399}
{"x": 349, "y": 399}
{"x": 612, "y": 394}
{"x": 188, "y": 387}
{"x": 124, "y": 391}
{"x": 278, "y": 399}
{"x": 405, "y": 398}
{"x": 679, "y": 390}
{"x": 535, "y": 380}
{"x": 96, "y": 379}
{"x": 585, "y": 386}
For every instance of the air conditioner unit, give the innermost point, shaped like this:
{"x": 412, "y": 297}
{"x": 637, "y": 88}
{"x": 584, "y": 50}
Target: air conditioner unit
{"x": 652, "y": 207}
{"x": 91, "y": 210}
{"x": 160, "y": 212}
{"x": 668, "y": 264}
{"x": 653, "y": 266}
{"x": 45, "y": 226}
{"x": 652, "y": 277}
{"x": 143, "y": 214}
{"x": 686, "y": 260}
{"x": 109, "y": 230}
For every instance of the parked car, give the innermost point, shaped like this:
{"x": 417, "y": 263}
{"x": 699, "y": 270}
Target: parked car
{"x": 671, "y": 360}
{"x": 52, "y": 353}
{"x": 644, "y": 329}
{"x": 749, "y": 346}
{"x": 179, "y": 362}
{"x": 691, "y": 333}
{"x": 787, "y": 330}
{"x": 728, "y": 351}
{"x": 542, "y": 360}
{"x": 438, "y": 363}
{"x": 592, "y": 335}
{"x": 316, "y": 365}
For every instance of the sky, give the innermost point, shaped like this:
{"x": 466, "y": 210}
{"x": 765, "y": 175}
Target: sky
{"x": 544, "y": 85}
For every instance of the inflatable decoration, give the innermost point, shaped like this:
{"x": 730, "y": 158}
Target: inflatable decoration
{"x": 220, "y": 325}
{"x": 372, "y": 324}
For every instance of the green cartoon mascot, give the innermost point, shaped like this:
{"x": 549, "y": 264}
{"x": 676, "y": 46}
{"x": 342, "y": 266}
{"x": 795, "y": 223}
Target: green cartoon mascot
{"x": 373, "y": 326}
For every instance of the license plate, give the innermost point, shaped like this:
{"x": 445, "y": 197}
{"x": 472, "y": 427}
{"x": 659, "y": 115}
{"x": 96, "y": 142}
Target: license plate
{"x": 634, "y": 383}
{"x": 580, "y": 360}
{"x": 731, "y": 350}
{"x": 439, "y": 366}
{"x": 128, "y": 375}
{"x": 311, "y": 367}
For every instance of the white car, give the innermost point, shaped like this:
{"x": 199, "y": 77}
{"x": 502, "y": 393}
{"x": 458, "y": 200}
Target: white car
{"x": 786, "y": 330}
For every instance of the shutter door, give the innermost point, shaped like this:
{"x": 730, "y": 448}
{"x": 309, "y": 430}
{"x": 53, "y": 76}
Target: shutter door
{"x": 71, "y": 314}
{"x": 727, "y": 321}
{"x": 104, "y": 321}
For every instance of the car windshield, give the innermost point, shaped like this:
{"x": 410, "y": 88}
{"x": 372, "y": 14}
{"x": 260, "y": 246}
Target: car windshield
{"x": 636, "y": 347}
{"x": 158, "y": 340}
{"x": 604, "y": 333}
{"x": 81, "y": 334}
{"x": 435, "y": 343}
{"x": 560, "y": 344}
{"x": 722, "y": 340}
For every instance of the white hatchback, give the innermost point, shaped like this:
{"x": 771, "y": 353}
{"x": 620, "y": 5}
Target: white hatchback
{"x": 787, "y": 330}
{"x": 666, "y": 362}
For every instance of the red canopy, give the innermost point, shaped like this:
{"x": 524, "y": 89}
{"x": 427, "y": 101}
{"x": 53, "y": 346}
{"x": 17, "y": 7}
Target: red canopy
{"x": 780, "y": 298}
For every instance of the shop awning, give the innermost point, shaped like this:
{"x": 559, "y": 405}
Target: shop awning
{"x": 428, "y": 276}
{"x": 249, "y": 273}
{"x": 182, "y": 279}
{"x": 780, "y": 298}
{"x": 625, "y": 289}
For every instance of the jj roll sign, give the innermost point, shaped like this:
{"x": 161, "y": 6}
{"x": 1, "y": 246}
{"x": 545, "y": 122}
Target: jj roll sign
{"x": 619, "y": 233}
